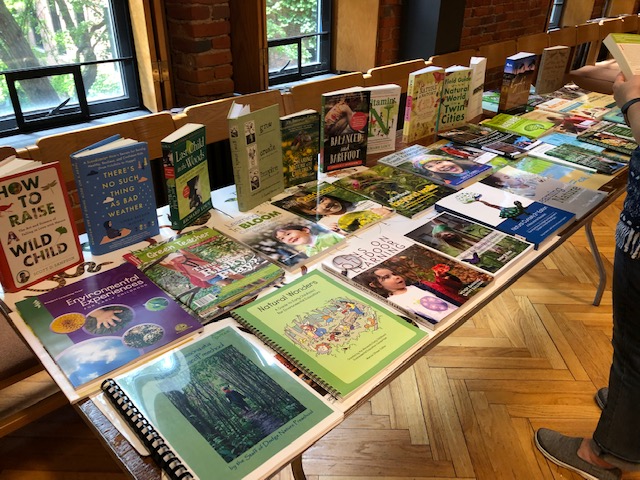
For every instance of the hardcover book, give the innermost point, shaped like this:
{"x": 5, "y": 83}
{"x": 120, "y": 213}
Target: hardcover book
{"x": 469, "y": 242}
{"x": 333, "y": 207}
{"x": 282, "y": 237}
{"x": 339, "y": 337}
{"x": 206, "y": 271}
{"x": 553, "y": 67}
{"x": 423, "y": 284}
{"x": 453, "y": 171}
{"x": 478, "y": 67}
{"x": 572, "y": 198}
{"x": 300, "y": 146}
{"x": 344, "y": 128}
{"x": 220, "y": 404}
{"x": 509, "y": 145}
{"x": 405, "y": 192}
{"x": 186, "y": 172}
{"x": 455, "y": 97}
{"x": 505, "y": 122}
{"x": 625, "y": 48}
{"x": 98, "y": 325}
{"x": 519, "y": 71}
{"x": 577, "y": 157}
{"x": 424, "y": 94}
{"x": 256, "y": 154}
{"x": 116, "y": 193}
{"x": 529, "y": 220}
{"x": 383, "y": 117}
{"x": 39, "y": 236}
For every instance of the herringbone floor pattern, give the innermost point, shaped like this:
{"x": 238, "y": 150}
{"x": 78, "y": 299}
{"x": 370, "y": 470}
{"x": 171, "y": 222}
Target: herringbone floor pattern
{"x": 467, "y": 410}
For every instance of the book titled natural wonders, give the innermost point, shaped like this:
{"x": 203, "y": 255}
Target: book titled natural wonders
{"x": 99, "y": 324}
{"x": 341, "y": 338}
{"x": 300, "y": 147}
{"x": 220, "y": 407}
{"x": 186, "y": 172}
{"x": 256, "y": 153}
{"x": 116, "y": 192}
{"x": 424, "y": 94}
{"x": 39, "y": 236}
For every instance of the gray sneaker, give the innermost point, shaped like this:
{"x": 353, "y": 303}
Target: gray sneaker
{"x": 601, "y": 397}
{"x": 563, "y": 451}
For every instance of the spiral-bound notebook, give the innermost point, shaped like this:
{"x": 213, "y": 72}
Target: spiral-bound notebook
{"x": 338, "y": 337}
{"x": 220, "y": 404}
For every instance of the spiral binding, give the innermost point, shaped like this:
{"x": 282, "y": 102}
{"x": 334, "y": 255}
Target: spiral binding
{"x": 160, "y": 451}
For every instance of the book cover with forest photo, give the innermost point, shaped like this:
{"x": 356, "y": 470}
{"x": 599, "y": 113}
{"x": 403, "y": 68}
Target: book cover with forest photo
{"x": 206, "y": 271}
{"x": 222, "y": 404}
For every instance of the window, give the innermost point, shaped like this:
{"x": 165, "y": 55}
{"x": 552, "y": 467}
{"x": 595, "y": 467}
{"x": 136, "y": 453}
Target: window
{"x": 298, "y": 38}
{"x": 556, "y": 15}
{"x": 63, "y": 62}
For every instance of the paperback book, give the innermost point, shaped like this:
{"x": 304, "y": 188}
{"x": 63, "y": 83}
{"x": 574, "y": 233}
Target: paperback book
{"x": 592, "y": 105}
{"x": 96, "y": 326}
{"x": 186, "y": 173}
{"x": 471, "y": 243}
{"x": 518, "y": 125}
{"x": 453, "y": 171}
{"x": 344, "y": 128}
{"x": 612, "y": 136}
{"x": 458, "y": 150}
{"x": 422, "y": 283}
{"x": 383, "y": 117}
{"x": 116, "y": 193}
{"x": 424, "y": 94}
{"x": 341, "y": 338}
{"x": 333, "y": 207}
{"x": 455, "y": 97}
{"x": 206, "y": 271}
{"x": 523, "y": 218}
{"x": 564, "y": 173}
{"x": 508, "y": 145}
{"x": 256, "y": 154}
{"x": 519, "y": 71}
{"x": 220, "y": 404}
{"x": 300, "y": 146}
{"x": 478, "y": 67}
{"x": 286, "y": 239}
{"x": 577, "y": 157}
{"x": 39, "y": 236}
{"x": 625, "y": 48}
{"x": 408, "y": 194}
{"x": 572, "y": 198}
{"x": 553, "y": 67}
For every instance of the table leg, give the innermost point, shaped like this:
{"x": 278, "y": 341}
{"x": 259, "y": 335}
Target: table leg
{"x": 602, "y": 274}
{"x": 296, "y": 468}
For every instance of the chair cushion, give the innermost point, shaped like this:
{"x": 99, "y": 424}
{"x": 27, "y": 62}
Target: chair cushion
{"x": 596, "y": 78}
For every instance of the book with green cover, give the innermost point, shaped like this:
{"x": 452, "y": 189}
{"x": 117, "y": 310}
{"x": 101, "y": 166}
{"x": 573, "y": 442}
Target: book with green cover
{"x": 612, "y": 136}
{"x": 220, "y": 404}
{"x": 256, "y": 153}
{"x": 407, "y": 193}
{"x": 341, "y": 338}
{"x": 186, "y": 172}
{"x": 300, "y": 146}
{"x": 207, "y": 272}
{"x": 515, "y": 124}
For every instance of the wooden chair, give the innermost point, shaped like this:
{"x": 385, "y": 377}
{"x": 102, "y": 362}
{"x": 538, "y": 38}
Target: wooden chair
{"x": 397, "y": 73}
{"x": 461, "y": 57}
{"x": 630, "y": 24}
{"x": 308, "y": 94}
{"x": 534, "y": 43}
{"x": 497, "y": 53}
{"x": 6, "y": 152}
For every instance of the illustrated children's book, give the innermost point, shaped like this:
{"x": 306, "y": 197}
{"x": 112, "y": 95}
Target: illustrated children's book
{"x": 424, "y": 93}
{"x": 95, "y": 326}
{"x": 625, "y": 48}
{"x": 422, "y": 283}
{"x": 448, "y": 170}
{"x": 116, "y": 193}
{"x": 333, "y": 207}
{"x": 469, "y": 242}
{"x": 553, "y": 67}
{"x": 300, "y": 146}
{"x": 341, "y": 338}
{"x": 206, "y": 271}
{"x": 284, "y": 238}
{"x": 256, "y": 153}
{"x": 519, "y": 71}
{"x": 455, "y": 97}
{"x": 38, "y": 234}
{"x": 518, "y": 125}
{"x": 220, "y": 404}
{"x": 186, "y": 172}
{"x": 344, "y": 128}
{"x": 383, "y": 117}
{"x": 407, "y": 193}
{"x": 532, "y": 221}
{"x": 478, "y": 67}
{"x": 572, "y": 198}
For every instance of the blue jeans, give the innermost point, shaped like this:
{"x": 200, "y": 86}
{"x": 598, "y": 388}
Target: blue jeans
{"x": 617, "y": 436}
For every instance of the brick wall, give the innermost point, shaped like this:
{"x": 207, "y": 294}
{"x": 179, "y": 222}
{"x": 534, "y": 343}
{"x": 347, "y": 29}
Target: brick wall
{"x": 200, "y": 47}
{"x": 388, "y": 47}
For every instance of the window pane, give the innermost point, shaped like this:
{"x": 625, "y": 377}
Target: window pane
{"x": 5, "y": 102}
{"x": 291, "y": 19}
{"x": 105, "y": 79}
{"x": 283, "y": 59}
{"x": 41, "y": 100}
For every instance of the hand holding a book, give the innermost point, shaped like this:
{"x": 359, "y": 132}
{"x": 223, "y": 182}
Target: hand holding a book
{"x": 106, "y": 318}
{"x": 627, "y": 95}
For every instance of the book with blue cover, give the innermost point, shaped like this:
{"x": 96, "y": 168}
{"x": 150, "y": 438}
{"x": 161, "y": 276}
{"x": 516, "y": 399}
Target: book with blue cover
{"x": 116, "y": 192}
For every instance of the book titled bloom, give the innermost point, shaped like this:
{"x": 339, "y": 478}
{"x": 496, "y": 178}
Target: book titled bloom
{"x": 407, "y": 193}
{"x": 577, "y": 157}
{"x": 532, "y": 221}
{"x": 442, "y": 169}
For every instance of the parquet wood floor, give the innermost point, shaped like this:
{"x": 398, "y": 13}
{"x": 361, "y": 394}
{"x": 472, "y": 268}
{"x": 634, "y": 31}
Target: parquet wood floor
{"x": 467, "y": 410}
